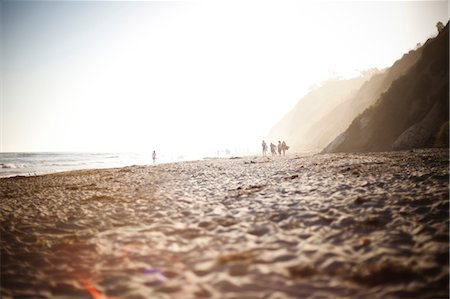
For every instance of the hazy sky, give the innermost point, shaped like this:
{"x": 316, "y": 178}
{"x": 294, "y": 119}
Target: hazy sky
{"x": 183, "y": 76}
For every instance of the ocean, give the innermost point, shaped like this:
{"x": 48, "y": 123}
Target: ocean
{"x": 14, "y": 164}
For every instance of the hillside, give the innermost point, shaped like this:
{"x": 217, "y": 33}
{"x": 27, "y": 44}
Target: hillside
{"x": 325, "y": 131}
{"x": 411, "y": 113}
{"x": 327, "y": 111}
{"x": 293, "y": 127}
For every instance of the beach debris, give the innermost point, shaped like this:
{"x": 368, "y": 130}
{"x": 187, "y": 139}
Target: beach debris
{"x": 209, "y": 225}
{"x": 101, "y": 197}
{"x": 226, "y": 221}
{"x": 73, "y": 187}
{"x": 326, "y": 219}
{"x": 238, "y": 269}
{"x": 259, "y": 231}
{"x": 235, "y": 257}
{"x": 279, "y": 217}
{"x": 371, "y": 221}
{"x": 360, "y": 200}
{"x": 346, "y": 169}
{"x": 43, "y": 243}
{"x": 364, "y": 241}
{"x": 155, "y": 275}
{"x": 256, "y": 161}
{"x": 301, "y": 271}
{"x": 243, "y": 191}
{"x": 202, "y": 293}
{"x": 293, "y": 224}
{"x": 186, "y": 233}
{"x": 291, "y": 177}
{"x": 385, "y": 272}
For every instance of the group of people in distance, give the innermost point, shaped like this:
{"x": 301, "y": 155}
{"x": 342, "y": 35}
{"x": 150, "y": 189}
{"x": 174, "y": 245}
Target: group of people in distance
{"x": 281, "y": 148}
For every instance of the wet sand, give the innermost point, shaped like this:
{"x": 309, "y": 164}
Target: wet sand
{"x": 323, "y": 226}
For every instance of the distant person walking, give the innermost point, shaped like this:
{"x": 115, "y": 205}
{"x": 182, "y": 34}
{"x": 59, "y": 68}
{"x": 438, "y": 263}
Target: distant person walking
{"x": 273, "y": 149}
{"x": 264, "y": 148}
{"x": 284, "y": 147}
{"x": 154, "y": 157}
{"x": 279, "y": 147}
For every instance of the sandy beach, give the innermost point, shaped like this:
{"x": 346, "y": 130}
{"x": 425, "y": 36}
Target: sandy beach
{"x": 372, "y": 225}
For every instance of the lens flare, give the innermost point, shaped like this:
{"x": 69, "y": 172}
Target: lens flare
{"x": 91, "y": 289}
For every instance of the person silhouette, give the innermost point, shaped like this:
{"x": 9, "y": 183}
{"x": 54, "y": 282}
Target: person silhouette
{"x": 264, "y": 148}
{"x": 273, "y": 149}
{"x": 284, "y": 148}
{"x": 154, "y": 156}
{"x": 279, "y": 147}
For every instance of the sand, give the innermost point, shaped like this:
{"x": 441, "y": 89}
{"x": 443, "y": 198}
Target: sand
{"x": 334, "y": 225}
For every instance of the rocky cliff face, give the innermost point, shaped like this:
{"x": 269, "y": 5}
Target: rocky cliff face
{"x": 295, "y": 126}
{"x": 343, "y": 115}
{"x": 411, "y": 112}
{"x": 327, "y": 111}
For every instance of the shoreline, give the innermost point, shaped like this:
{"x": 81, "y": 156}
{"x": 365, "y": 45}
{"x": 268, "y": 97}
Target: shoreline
{"x": 294, "y": 155}
{"x": 251, "y": 157}
{"x": 50, "y": 172}
{"x": 329, "y": 225}
{"x": 40, "y": 163}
